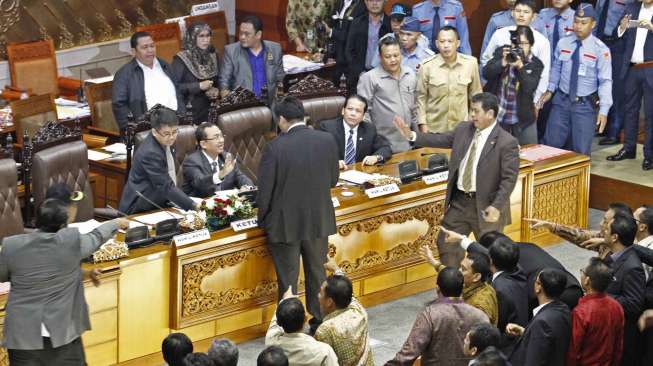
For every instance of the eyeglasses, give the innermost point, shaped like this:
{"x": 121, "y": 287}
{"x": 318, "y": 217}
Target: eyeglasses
{"x": 217, "y": 138}
{"x": 168, "y": 134}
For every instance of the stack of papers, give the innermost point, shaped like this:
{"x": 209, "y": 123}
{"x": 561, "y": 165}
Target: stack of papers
{"x": 118, "y": 148}
{"x": 157, "y": 217}
{"x": 70, "y": 112}
{"x": 295, "y": 65}
{"x": 355, "y": 176}
{"x": 86, "y": 226}
{"x": 97, "y": 156}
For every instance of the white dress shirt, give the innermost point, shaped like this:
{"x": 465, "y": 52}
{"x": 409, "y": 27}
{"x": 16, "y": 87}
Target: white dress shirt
{"x": 482, "y": 139}
{"x": 295, "y": 125}
{"x": 216, "y": 175}
{"x": 541, "y": 49}
{"x": 640, "y": 38}
{"x": 537, "y": 309}
{"x": 647, "y": 242}
{"x": 343, "y": 10}
{"x": 159, "y": 89}
{"x": 355, "y": 136}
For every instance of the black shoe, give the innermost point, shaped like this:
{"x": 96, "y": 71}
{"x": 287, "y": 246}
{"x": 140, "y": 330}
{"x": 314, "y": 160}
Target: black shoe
{"x": 622, "y": 155}
{"x": 647, "y": 164}
{"x": 609, "y": 141}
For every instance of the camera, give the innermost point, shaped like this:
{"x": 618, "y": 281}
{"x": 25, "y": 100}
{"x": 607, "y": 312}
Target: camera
{"x": 515, "y": 51}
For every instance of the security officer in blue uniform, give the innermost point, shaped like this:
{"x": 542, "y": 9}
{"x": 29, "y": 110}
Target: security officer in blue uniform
{"x": 449, "y": 12}
{"x": 558, "y": 22}
{"x": 581, "y": 77}
{"x": 609, "y": 14}
{"x": 413, "y": 51}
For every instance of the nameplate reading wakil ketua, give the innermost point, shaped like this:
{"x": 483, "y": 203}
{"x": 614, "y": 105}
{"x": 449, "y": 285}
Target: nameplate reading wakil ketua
{"x": 382, "y": 190}
{"x": 436, "y": 178}
{"x": 335, "y": 202}
{"x": 192, "y": 237}
{"x": 241, "y": 225}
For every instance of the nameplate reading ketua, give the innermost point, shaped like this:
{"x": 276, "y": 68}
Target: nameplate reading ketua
{"x": 241, "y": 225}
{"x": 192, "y": 237}
{"x": 335, "y": 202}
{"x": 382, "y": 190}
{"x": 436, "y": 178}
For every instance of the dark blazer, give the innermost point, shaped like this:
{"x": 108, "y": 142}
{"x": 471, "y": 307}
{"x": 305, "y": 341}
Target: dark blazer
{"x": 546, "y": 338}
{"x": 189, "y": 86}
{"x": 356, "y": 47}
{"x": 46, "y": 285}
{"x": 646, "y": 256}
{"x": 149, "y": 175}
{"x": 629, "y": 45}
{"x": 236, "y": 70}
{"x": 528, "y": 78}
{"x": 198, "y": 176}
{"x": 129, "y": 92}
{"x": 369, "y": 142}
{"x": 497, "y": 171}
{"x": 340, "y": 28}
{"x": 296, "y": 174}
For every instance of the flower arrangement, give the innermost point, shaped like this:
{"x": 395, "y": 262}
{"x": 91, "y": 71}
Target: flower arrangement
{"x": 220, "y": 212}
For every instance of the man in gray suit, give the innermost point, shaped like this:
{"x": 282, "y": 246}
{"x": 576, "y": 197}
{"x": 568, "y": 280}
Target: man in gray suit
{"x": 483, "y": 171}
{"x": 207, "y": 169}
{"x": 46, "y": 310}
{"x": 251, "y": 63}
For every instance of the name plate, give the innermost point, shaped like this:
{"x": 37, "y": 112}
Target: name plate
{"x": 335, "y": 202}
{"x": 241, "y": 225}
{"x": 382, "y": 190}
{"x": 192, "y": 237}
{"x": 436, "y": 178}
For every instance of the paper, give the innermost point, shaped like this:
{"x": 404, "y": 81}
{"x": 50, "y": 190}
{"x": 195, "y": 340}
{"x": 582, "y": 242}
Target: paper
{"x": 68, "y": 102}
{"x": 96, "y": 155}
{"x": 156, "y": 217}
{"x": 541, "y": 152}
{"x": 86, "y": 226}
{"x": 70, "y": 112}
{"x": 294, "y": 65}
{"x": 4, "y": 287}
{"x": 354, "y": 176}
{"x": 101, "y": 80}
{"x": 118, "y": 148}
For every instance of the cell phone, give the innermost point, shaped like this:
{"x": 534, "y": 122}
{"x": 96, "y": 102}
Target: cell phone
{"x": 633, "y": 23}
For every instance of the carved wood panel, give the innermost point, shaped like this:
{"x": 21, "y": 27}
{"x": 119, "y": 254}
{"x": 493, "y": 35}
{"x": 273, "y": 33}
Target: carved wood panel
{"x": 557, "y": 201}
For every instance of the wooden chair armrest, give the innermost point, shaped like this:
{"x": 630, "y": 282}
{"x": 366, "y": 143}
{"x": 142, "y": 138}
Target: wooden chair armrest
{"x": 94, "y": 141}
{"x": 8, "y": 94}
{"x": 69, "y": 83}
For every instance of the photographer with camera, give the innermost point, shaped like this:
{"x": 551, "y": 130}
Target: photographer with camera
{"x": 513, "y": 75}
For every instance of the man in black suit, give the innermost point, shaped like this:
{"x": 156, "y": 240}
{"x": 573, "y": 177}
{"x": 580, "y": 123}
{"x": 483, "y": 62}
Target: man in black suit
{"x": 153, "y": 172}
{"x": 357, "y": 140}
{"x": 337, "y": 28}
{"x": 638, "y": 49}
{"x": 533, "y": 259}
{"x": 296, "y": 174}
{"x": 483, "y": 171}
{"x": 546, "y": 338}
{"x": 358, "y": 55}
{"x": 207, "y": 169}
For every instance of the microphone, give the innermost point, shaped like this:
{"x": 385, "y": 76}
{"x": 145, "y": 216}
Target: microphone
{"x": 126, "y": 216}
{"x": 155, "y": 205}
{"x": 166, "y": 228}
{"x": 138, "y": 236}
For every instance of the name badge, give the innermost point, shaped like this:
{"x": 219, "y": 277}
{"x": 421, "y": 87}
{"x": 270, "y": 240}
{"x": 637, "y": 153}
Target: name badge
{"x": 241, "y": 225}
{"x": 382, "y": 190}
{"x": 335, "y": 202}
{"x": 192, "y": 237}
{"x": 436, "y": 178}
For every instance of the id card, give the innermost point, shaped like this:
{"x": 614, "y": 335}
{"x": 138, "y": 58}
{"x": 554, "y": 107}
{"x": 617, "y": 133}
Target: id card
{"x": 582, "y": 70}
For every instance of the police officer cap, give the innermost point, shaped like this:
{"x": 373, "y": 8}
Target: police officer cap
{"x": 411, "y": 24}
{"x": 586, "y": 11}
{"x": 400, "y": 11}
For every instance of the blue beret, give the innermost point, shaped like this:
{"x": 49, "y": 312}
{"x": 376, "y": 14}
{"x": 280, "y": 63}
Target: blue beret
{"x": 586, "y": 11}
{"x": 410, "y": 24}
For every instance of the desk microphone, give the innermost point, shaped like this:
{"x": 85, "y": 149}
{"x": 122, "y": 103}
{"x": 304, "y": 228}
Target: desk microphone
{"x": 155, "y": 205}
{"x": 166, "y": 228}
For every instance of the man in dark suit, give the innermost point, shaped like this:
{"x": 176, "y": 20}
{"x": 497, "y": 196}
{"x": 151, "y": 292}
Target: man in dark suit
{"x": 207, "y": 170}
{"x": 46, "y": 311}
{"x": 546, "y": 338}
{"x": 337, "y": 28}
{"x": 153, "y": 172}
{"x": 638, "y": 49}
{"x": 357, "y": 140}
{"x": 533, "y": 259}
{"x": 296, "y": 174}
{"x": 483, "y": 171}
{"x": 251, "y": 63}
{"x": 358, "y": 54}
{"x": 144, "y": 82}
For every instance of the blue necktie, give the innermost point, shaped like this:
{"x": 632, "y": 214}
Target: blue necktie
{"x": 350, "y": 149}
{"x": 436, "y": 28}
{"x": 575, "y": 64}
{"x": 556, "y": 33}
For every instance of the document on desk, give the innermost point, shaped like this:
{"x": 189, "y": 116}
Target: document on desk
{"x": 294, "y": 65}
{"x": 355, "y": 176}
{"x": 157, "y": 217}
{"x": 97, "y": 156}
{"x": 118, "y": 148}
{"x": 86, "y": 226}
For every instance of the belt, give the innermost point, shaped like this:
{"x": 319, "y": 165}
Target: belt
{"x": 467, "y": 194}
{"x": 577, "y": 99}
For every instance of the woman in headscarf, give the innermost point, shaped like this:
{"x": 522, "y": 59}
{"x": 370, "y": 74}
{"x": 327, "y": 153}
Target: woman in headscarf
{"x": 196, "y": 70}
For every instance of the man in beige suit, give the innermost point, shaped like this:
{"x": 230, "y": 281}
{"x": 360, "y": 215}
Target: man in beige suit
{"x": 483, "y": 170}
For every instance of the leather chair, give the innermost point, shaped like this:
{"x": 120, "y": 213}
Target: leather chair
{"x": 166, "y": 38}
{"x": 10, "y": 215}
{"x": 33, "y": 68}
{"x": 247, "y": 132}
{"x": 324, "y": 108}
{"x": 99, "y": 101}
{"x": 32, "y": 113}
{"x": 218, "y": 23}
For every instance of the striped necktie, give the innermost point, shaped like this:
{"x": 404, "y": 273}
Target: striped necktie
{"x": 350, "y": 149}
{"x": 171, "y": 165}
{"x": 471, "y": 163}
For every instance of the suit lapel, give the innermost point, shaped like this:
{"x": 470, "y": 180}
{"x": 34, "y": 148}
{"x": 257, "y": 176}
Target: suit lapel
{"x": 266, "y": 55}
{"x": 205, "y": 162}
{"x": 490, "y": 142}
{"x": 340, "y": 136}
{"x": 247, "y": 72}
{"x": 360, "y": 135}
